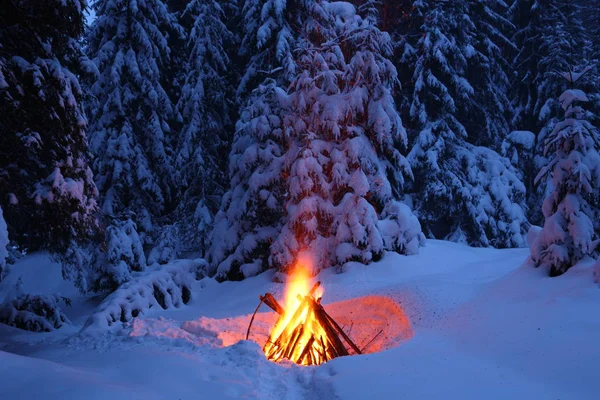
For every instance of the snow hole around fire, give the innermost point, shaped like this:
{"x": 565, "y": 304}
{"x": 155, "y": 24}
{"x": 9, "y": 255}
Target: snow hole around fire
{"x": 361, "y": 318}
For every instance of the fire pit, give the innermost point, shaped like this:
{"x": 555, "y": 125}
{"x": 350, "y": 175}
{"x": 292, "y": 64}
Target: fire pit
{"x": 304, "y": 332}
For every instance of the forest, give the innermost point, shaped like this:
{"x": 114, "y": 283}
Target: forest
{"x": 247, "y": 133}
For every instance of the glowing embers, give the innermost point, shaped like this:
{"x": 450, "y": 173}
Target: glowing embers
{"x": 305, "y": 334}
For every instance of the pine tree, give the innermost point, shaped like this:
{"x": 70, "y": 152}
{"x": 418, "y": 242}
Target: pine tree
{"x": 268, "y": 39}
{"x": 311, "y": 158}
{"x": 251, "y": 210}
{"x": 3, "y": 244}
{"x": 48, "y": 194}
{"x": 591, "y": 10}
{"x": 461, "y": 192}
{"x": 345, "y": 172}
{"x": 130, "y": 133}
{"x": 250, "y": 215}
{"x": 487, "y": 123}
{"x": 550, "y": 38}
{"x": 572, "y": 208}
{"x": 205, "y": 108}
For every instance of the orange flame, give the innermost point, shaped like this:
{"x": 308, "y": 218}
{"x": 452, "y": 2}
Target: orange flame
{"x": 298, "y": 283}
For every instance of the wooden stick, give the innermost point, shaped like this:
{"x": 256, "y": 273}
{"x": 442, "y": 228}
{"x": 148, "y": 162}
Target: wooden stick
{"x": 337, "y": 327}
{"x": 306, "y": 349}
{"x": 269, "y": 300}
{"x": 253, "y": 315}
{"x": 324, "y": 349}
{"x": 332, "y": 336}
{"x": 296, "y": 335}
{"x": 285, "y": 332}
{"x": 371, "y": 341}
{"x": 314, "y": 288}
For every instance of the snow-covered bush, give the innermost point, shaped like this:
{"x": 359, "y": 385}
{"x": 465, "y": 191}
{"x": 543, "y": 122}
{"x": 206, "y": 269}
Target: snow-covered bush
{"x": 400, "y": 229}
{"x": 168, "y": 245}
{"x": 571, "y": 209}
{"x": 33, "y": 313}
{"x": 163, "y": 287}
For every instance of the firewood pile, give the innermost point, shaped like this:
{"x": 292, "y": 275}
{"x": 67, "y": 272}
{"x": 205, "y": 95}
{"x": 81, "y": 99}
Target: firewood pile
{"x": 306, "y": 335}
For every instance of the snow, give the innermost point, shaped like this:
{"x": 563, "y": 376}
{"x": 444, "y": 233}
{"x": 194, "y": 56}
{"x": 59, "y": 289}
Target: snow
{"x": 523, "y": 138}
{"x": 569, "y": 96}
{"x": 481, "y": 323}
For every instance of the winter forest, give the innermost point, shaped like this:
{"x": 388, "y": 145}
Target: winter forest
{"x": 147, "y": 144}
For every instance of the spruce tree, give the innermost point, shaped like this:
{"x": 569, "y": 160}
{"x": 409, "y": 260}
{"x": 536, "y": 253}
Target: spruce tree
{"x": 461, "y": 192}
{"x": 48, "y": 193}
{"x": 572, "y": 207}
{"x": 304, "y": 153}
{"x": 268, "y": 37}
{"x": 130, "y": 132}
{"x": 345, "y": 173}
{"x": 488, "y": 72}
{"x": 251, "y": 210}
{"x": 549, "y": 39}
{"x": 250, "y": 215}
{"x": 3, "y": 245}
{"x": 205, "y": 108}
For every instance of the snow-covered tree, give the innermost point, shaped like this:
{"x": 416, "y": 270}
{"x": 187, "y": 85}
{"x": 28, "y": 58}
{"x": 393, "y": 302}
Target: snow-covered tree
{"x": 47, "y": 191}
{"x": 343, "y": 169}
{"x": 123, "y": 253}
{"x": 268, "y": 38}
{"x": 571, "y": 209}
{"x": 205, "y": 106}
{"x": 130, "y": 133}
{"x": 489, "y": 108}
{"x": 250, "y": 217}
{"x": 461, "y": 192}
{"x": 3, "y": 245}
{"x": 550, "y": 38}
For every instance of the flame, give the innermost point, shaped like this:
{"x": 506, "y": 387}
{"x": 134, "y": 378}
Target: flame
{"x": 298, "y": 284}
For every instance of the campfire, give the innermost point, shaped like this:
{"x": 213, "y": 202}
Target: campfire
{"x": 304, "y": 332}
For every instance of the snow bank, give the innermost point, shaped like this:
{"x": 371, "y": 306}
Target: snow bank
{"x": 483, "y": 326}
{"x": 165, "y": 287}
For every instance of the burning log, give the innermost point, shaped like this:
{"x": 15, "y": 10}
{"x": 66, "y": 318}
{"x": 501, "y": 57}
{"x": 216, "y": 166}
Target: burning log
{"x": 306, "y": 335}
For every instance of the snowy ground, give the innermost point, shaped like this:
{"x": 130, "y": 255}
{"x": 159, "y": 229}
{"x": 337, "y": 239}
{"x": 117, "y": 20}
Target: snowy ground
{"x": 481, "y": 325}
